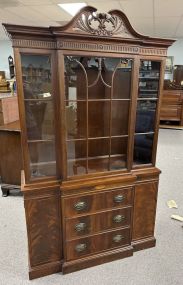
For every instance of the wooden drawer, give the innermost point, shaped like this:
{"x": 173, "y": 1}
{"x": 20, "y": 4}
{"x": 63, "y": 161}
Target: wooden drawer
{"x": 171, "y": 97}
{"x": 170, "y": 113}
{"x": 97, "y": 243}
{"x": 91, "y": 203}
{"x": 90, "y": 224}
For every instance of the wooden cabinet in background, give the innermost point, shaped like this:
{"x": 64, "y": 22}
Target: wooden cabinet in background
{"x": 10, "y": 157}
{"x": 172, "y": 106}
{"x": 8, "y": 109}
{"x": 89, "y": 95}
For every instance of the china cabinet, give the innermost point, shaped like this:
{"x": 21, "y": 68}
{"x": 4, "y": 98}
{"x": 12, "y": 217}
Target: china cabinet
{"x": 89, "y": 97}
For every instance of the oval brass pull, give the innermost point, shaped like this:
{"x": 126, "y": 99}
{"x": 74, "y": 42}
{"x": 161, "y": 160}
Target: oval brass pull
{"x": 118, "y": 238}
{"x": 80, "y": 206}
{"x": 118, "y": 218}
{"x": 119, "y": 198}
{"x": 80, "y": 247}
{"x": 80, "y": 227}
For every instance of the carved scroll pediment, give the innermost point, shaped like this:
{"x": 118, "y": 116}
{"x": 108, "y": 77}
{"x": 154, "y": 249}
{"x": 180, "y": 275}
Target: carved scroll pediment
{"x": 113, "y": 23}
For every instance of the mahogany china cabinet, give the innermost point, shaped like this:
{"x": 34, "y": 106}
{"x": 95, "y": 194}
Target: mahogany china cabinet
{"x": 89, "y": 98}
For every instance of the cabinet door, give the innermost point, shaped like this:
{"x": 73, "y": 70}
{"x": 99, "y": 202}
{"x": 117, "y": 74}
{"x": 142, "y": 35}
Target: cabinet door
{"x": 144, "y": 210}
{"x": 147, "y": 101}
{"x": 97, "y": 103}
{"x": 39, "y": 115}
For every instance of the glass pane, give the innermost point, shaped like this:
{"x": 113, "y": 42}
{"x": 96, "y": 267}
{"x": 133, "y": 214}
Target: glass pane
{"x": 75, "y": 79}
{"x": 76, "y": 153}
{"x": 143, "y": 148}
{"x": 42, "y": 158}
{"x": 100, "y": 72}
{"x": 146, "y": 113}
{"x": 98, "y": 118}
{"x": 76, "y": 149}
{"x": 36, "y": 76}
{"x": 98, "y": 152}
{"x": 76, "y": 119}
{"x": 39, "y": 120}
{"x": 39, "y": 114}
{"x": 120, "y": 113}
{"x": 118, "y": 153}
{"x": 149, "y": 79}
{"x": 76, "y": 167}
{"x": 122, "y": 80}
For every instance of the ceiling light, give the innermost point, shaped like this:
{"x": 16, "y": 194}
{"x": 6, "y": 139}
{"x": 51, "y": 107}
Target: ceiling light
{"x": 72, "y": 8}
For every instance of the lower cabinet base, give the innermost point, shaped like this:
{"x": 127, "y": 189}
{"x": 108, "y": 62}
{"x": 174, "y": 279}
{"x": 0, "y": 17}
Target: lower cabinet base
{"x": 143, "y": 244}
{"x": 75, "y": 265}
{"x": 45, "y": 269}
{"x": 97, "y": 259}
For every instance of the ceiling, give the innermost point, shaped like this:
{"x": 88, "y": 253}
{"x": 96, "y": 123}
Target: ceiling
{"x": 160, "y": 18}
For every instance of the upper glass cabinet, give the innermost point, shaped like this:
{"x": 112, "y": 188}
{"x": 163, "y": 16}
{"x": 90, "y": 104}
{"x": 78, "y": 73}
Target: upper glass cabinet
{"x": 97, "y": 100}
{"x": 149, "y": 75}
{"x": 39, "y": 114}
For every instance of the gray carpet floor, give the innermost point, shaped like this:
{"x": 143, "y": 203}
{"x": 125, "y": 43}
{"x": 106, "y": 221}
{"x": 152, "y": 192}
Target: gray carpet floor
{"x": 162, "y": 265}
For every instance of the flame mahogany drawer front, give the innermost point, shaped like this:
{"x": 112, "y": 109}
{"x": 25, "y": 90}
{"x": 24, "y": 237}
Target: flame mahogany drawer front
{"x": 90, "y": 224}
{"x": 91, "y": 203}
{"x": 97, "y": 243}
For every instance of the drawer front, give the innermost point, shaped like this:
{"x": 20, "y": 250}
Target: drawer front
{"x": 91, "y": 245}
{"x": 91, "y": 203}
{"x": 170, "y": 113}
{"x": 90, "y": 224}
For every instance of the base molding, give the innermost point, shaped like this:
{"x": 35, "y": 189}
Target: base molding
{"x": 144, "y": 243}
{"x": 45, "y": 269}
{"x": 96, "y": 259}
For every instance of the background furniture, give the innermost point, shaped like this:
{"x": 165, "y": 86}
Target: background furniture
{"x": 10, "y": 157}
{"x": 8, "y": 108}
{"x": 172, "y": 107}
{"x": 89, "y": 182}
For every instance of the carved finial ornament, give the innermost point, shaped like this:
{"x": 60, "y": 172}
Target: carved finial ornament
{"x": 102, "y": 24}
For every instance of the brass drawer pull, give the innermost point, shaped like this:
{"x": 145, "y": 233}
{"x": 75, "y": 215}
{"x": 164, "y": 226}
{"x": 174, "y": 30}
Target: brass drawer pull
{"x": 80, "y": 227}
{"x": 119, "y": 198}
{"x": 118, "y": 218}
{"x": 80, "y": 247}
{"x": 80, "y": 206}
{"x": 118, "y": 238}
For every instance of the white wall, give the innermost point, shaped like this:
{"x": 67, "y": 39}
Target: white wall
{"x": 5, "y": 51}
{"x": 176, "y": 50}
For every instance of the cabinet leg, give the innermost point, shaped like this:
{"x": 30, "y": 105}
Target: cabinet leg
{"x": 5, "y": 191}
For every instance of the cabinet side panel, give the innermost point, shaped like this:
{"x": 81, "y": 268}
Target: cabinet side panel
{"x": 144, "y": 210}
{"x": 43, "y": 228}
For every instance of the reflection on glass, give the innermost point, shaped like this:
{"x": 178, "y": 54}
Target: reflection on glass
{"x": 39, "y": 120}
{"x": 143, "y": 145}
{"x": 36, "y": 76}
{"x": 39, "y": 114}
{"x": 120, "y": 111}
{"x": 98, "y": 153}
{"x": 76, "y": 153}
{"x": 75, "y": 79}
{"x": 42, "y": 158}
{"x": 122, "y": 80}
{"x": 98, "y": 118}
{"x": 118, "y": 157}
{"x": 76, "y": 149}
{"x": 76, "y": 119}
{"x": 76, "y": 167}
{"x": 145, "y": 118}
{"x": 149, "y": 79}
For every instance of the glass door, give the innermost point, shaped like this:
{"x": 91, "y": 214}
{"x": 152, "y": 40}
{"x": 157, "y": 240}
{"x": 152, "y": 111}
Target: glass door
{"x": 97, "y": 100}
{"x": 39, "y": 114}
{"x": 149, "y": 77}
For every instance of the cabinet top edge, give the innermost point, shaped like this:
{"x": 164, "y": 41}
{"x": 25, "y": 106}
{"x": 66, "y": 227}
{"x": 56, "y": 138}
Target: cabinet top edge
{"x": 113, "y": 25}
